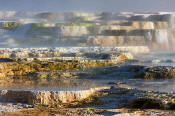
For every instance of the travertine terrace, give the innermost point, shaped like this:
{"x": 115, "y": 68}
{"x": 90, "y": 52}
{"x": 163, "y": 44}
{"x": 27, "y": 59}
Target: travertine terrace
{"x": 87, "y": 29}
{"x": 49, "y": 97}
{"x": 60, "y": 61}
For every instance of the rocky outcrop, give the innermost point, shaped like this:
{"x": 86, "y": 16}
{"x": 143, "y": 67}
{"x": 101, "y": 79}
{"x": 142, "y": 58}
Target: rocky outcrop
{"x": 143, "y": 99}
{"x": 25, "y": 68}
{"x": 159, "y": 72}
{"x": 144, "y": 103}
{"x": 153, "y": 100}
{"x": 137, "y": 72}
{"x": 154, "y": 72}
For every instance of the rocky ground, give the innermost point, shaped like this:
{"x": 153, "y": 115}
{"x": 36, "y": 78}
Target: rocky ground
{"x": 105, "y": 103}
{"x": 81, "y": 83}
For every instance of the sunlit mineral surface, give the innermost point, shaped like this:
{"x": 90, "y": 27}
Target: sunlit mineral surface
{"x": 76, "y": 63}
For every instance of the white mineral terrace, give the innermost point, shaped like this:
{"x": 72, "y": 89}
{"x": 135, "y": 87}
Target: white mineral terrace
{"x": 133, "y": 49}
{"x": 47, "y": 96}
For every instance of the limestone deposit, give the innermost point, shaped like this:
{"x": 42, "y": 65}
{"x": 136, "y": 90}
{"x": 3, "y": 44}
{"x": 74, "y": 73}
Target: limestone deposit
{"x": 67, "y": 63}
{"x": 14, "y": 62}
{"x": 51, "y": 97}
{"x": 63, "y": 52}
{"x": 86, "y": 29}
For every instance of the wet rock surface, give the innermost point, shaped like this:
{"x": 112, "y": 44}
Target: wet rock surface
{"x": 31, "y": 61}
{"x": 135, "y": 72}
{"x": 47, "y": 97}
{"x": 133, "y": 101}
{"x": 11, "y": 107}
{"x": 29, "y": 80}
{"x": 158, "y": 72}
{"x": 121, "y": 94}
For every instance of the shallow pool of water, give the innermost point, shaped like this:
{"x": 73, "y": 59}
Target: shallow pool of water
{"x": 52, "y": 84}
{"x": 167, "y": 86}
{"x": 166, "y": 58}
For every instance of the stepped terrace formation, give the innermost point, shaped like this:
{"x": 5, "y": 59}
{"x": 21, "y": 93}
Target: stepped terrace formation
{"x": 87, "y": 63}
{"x": 155, "y": 30}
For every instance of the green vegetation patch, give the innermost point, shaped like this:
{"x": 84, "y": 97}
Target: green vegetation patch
{"x": 41, "y": 25}
{"x": 39, "y": 29}
{"x": 37, "y": 25}
{"x": 77, "y": 24}
{"x": 79, "y": 18}
{"x": 10, "y": 25}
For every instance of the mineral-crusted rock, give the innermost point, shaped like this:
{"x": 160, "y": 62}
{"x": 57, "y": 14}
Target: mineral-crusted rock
{"x": 159, "y": 72}
{"x": 146, "y": 72}
{"x": 101, "y": 29}
{"x": 133, "y": 49}
{"x": 139, "y": 71}
{"x": 144, "y": 103}
{"x": 48, "y": 97}
{"x": 128, "y": 55}
{"x": 143, "y": 25}
{"x": 104, "y": 41}
{"x": 65, "y": 51}
{"x": 145, "y": 99}
{"x": 18, "y": 69}
{"x": 161, "y": 25}
{"x": 153, "y": 100}
{"x": 74, "y": 31}
{"x": 116, "y": 40}
{"x": 109, "y": 56}
{"x": 25, "y": 53}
